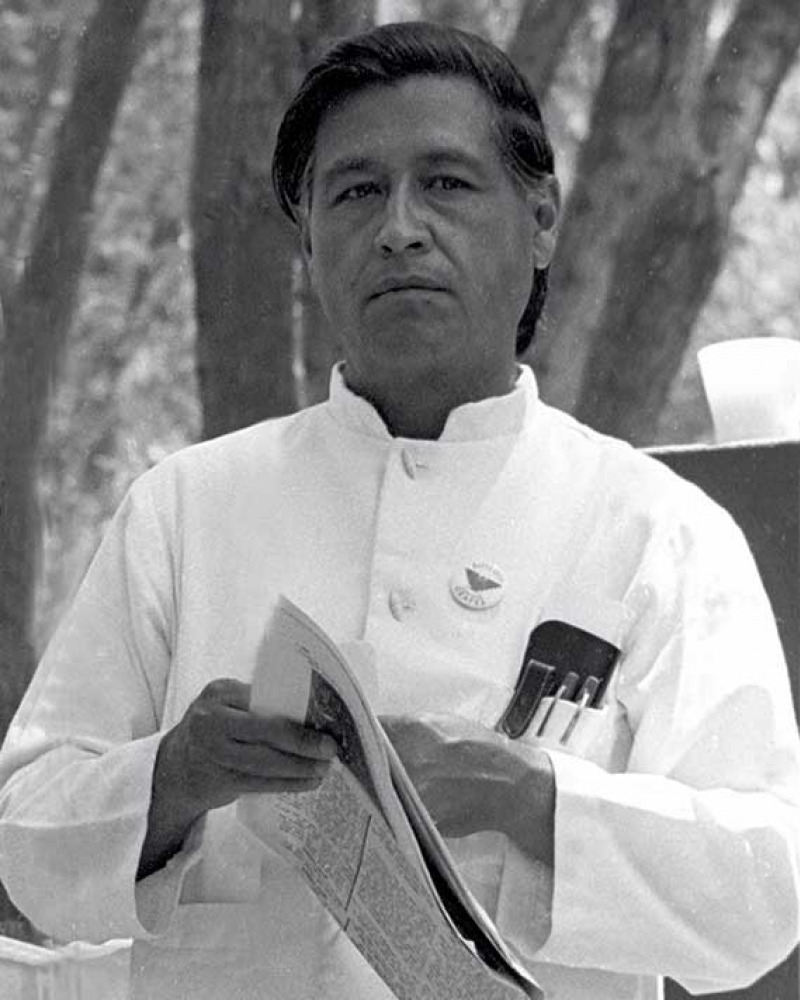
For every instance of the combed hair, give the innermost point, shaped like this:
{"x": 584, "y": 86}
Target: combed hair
{"x": 391, "y": 53}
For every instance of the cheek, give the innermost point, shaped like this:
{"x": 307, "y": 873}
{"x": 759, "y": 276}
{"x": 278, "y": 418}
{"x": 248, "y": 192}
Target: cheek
{"x": 324, "y": 271}
{"x": 513, "y": 261}
{"x": 336, "y": 262}
{"x": 499, "y": 245}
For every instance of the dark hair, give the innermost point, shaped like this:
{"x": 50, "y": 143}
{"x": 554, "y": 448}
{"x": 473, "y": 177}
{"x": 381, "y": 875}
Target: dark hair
{"x": 392, "y": 53}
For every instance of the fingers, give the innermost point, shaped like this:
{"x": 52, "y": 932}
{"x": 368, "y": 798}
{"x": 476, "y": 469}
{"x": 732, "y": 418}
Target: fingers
{"x": 226, "y": 691}
{"x": 282, "y": 734}
{"x": 248, "y": 785}
{"x": 221, "y": 716}
{"x": 260, "y": 760}
{"x": 221, "y": 749}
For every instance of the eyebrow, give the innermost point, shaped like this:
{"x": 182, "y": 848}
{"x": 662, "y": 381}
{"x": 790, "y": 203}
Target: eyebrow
{"x": 345, "y": 166}
{"x": 445, "y": 156}
{"x": 448, "y": 156}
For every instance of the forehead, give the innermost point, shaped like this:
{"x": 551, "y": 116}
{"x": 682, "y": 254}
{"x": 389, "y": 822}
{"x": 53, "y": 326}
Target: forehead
{"x": 416, "y": 117}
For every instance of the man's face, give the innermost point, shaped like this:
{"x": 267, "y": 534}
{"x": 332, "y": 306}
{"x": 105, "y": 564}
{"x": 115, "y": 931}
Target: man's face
{"x": 420, "y": 244}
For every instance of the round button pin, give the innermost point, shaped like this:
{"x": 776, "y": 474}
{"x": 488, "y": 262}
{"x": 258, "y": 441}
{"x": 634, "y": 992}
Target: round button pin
{"x": 478, "y": 586}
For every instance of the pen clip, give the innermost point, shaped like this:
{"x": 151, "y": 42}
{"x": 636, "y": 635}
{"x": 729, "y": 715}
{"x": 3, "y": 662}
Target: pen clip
{"x": 534, "y": 682}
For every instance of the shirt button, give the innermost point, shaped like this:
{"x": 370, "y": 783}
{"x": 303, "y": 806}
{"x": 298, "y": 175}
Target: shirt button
{"x": 401, "y": 603}
{"x": 409, "y": 465}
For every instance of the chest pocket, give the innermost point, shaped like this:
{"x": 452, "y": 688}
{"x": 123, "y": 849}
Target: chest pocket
{"x": 581, "y": 637}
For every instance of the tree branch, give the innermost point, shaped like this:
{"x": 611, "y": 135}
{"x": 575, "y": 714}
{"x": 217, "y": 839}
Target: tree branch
{"x": 542, "y": 34}
{"x": 753, "y": 59}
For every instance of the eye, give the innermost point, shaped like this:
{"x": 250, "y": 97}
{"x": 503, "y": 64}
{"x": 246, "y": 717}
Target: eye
{"x": 448, "y": 182}
{"x": 356, "y": 192}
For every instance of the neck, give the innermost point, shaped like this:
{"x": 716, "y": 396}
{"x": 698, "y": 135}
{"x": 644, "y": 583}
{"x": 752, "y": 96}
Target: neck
{"x": 419, "y": 409}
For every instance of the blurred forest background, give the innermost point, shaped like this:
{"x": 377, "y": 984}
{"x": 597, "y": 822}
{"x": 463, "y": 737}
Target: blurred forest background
{"x": 153, "y": 294}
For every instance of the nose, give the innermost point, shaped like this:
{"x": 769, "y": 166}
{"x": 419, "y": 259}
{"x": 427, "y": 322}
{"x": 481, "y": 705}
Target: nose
{"x": 403, "y": 228}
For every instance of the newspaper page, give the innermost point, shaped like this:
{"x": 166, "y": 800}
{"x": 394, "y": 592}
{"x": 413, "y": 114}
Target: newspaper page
{"x": 397, "y": 895}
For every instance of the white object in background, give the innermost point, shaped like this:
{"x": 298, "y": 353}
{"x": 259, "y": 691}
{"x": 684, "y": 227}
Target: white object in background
{"x": 753, "y": 387}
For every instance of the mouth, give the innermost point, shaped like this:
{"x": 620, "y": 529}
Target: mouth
{"x": 399, "y": 286}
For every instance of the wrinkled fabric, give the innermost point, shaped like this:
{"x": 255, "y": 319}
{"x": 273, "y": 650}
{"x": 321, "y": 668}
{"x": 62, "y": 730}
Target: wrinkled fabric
{"x": 676, "y": 825}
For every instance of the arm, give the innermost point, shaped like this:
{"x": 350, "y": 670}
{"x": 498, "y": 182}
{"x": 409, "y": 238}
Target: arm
{"x": 217, "y": 752}
{"x": 473, "y": 779}
{"x": 688, "y": 864}
{"x": 76, "y": 767}
{"x": 92, "y": 794}
{"x": 700, "y": 839}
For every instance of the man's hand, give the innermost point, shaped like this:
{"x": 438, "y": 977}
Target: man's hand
{"x": 472, "y": 778}
{"x": 219, "y": 751}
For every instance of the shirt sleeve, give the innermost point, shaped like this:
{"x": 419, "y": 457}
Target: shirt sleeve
{"x": 77, "y": 764}
{"x": 687, "y": 864}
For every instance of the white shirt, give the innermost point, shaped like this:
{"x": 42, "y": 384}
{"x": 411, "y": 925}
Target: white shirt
{"x": 677, "y": 830}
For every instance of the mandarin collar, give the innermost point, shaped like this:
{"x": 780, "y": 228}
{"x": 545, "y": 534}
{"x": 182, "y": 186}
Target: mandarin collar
{"x": 494, "y": 417}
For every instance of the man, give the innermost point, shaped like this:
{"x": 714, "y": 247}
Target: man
{"x": 436, "y": 509}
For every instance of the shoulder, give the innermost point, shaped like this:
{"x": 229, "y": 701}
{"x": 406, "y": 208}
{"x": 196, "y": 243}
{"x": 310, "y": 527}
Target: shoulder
{"x": 226, "y": 464}
{"x": 629, "y": 481}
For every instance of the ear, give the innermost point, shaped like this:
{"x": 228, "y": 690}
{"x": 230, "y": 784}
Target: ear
{"x": 544, "y": 203}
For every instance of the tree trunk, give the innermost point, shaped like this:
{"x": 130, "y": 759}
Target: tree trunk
{"x": 243, "y": 246}
{"x": 541, "y": 36}
{"x": 684, "y": 238}
{"x": 34, "y": 68}
{"x": 645, "y": 231}
{"x": 322, "y": 22}
{"x": 653, "y": 66}
{"x": 38, "y": 318}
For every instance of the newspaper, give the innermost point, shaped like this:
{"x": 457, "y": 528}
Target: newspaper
{"x": 364, "y": 841}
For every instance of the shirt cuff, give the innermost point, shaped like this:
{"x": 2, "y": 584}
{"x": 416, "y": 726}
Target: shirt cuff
{"x": 524, "y": 905}
{"x": 576, "y": 786}
{"x": 158, "y": 894}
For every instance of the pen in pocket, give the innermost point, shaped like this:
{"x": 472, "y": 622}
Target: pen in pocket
{"x": 584, "y": 698}
{"x": 565, "y": 692}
